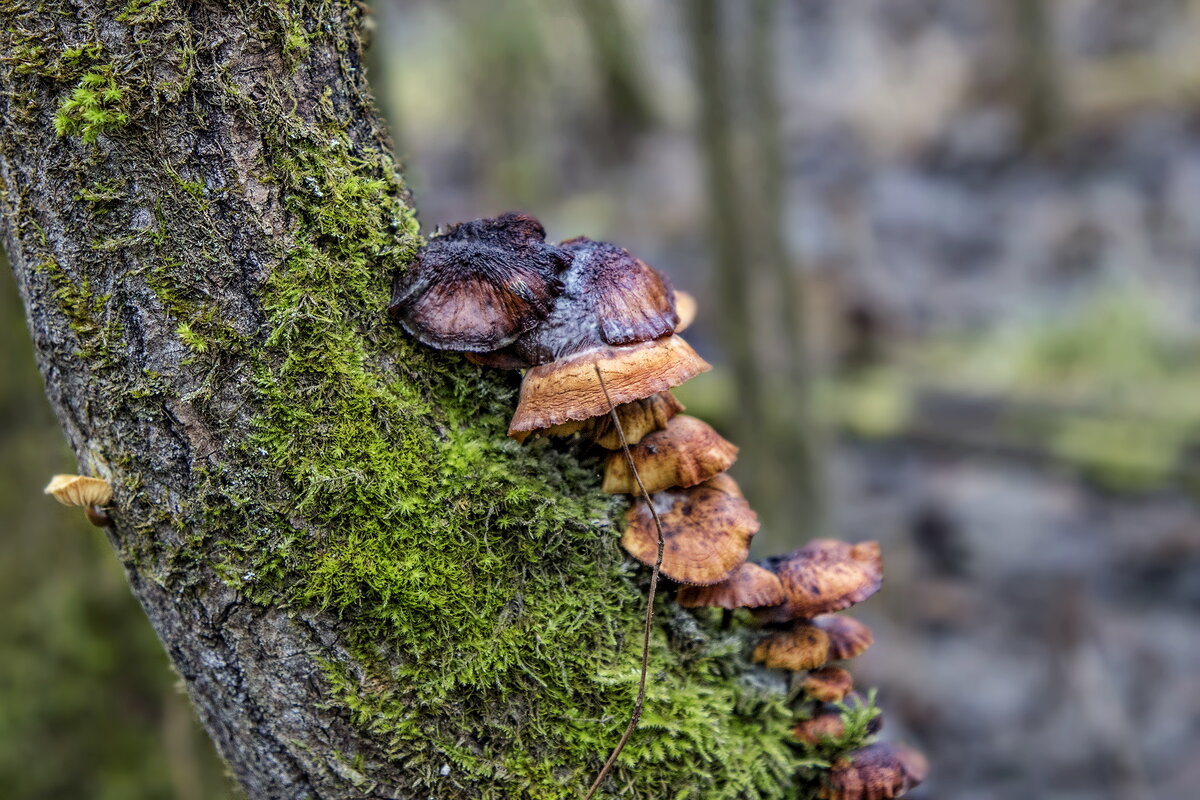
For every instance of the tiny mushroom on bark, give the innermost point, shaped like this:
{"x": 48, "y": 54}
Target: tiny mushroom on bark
{"x": 686, "y": 453}
{"x": 800, "y": 647}
{"x": 848, "y": 638}
{"x": 878, "y": 771}
{"x": 79, "y": 490}
{"x": 828, "y": 684}
{"x": 480, "y": 285}
{"x": 638, "y": 418}
{"x": 706, "y": 532}
{"x": 824, "y": 576}
{"x": 827, "y": 722}
{"x": 750, "y": 586}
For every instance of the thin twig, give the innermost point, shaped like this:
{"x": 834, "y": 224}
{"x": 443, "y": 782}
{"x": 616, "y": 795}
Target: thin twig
{"x": 641, "y": 695}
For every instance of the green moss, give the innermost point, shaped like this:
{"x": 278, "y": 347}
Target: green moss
{"x": 95, "y": 107}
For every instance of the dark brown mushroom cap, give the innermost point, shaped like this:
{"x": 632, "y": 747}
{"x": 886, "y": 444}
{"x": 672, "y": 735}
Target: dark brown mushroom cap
{"x": 687, "y": 452}
{"x": 825, "y": 576}
{"x": 802, "y": 646}
{"x": 828, "y": 684}
{"x": 706, "y": 533}
{"x": 878, "y": 771}
{"x": 750, "y": 586}
{"x": 480, "y": 285}
{"x": 568, "y": 389}
{"x": 848, "y": 638}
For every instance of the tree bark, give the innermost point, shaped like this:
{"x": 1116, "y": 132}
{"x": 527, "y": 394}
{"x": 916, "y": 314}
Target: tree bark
{"x": 367, "y": 590}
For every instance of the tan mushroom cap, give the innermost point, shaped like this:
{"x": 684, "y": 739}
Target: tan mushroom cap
{"x": 638, "y": 418}
{"x": 750, "y": 586}
{"x": 79, "y": 490}
{"x": 878, "y": 771}
{"x": 567, "y": 389}
{"x": 827, "y": 722}
{"x": 706, "y": 533}
{"x": 848, "y": 638}
{"x": 685, "y": 307}
{"x": 686, "y": 453}
{"x": 826, "y": 576}
{"x": 828, "y": 684}
{"x": 802, "y": 646}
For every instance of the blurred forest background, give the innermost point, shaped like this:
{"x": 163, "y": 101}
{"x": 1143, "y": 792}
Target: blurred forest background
{"x": 978, "y": 221}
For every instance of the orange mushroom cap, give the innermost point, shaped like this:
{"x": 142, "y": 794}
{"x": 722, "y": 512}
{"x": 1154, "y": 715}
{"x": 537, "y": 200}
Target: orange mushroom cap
{"x": 480, "y": 285}
{"x": 638, "y": 418}
{"x": 827, "y": 722}
{"x": 687, "y": 452}
{"x": 800, "y": 647}
{"x": 878, "y": 771}
{"x": 750, "y": 586}
{"x": 828, "y": 684}
{"x": 706, "y": 533}
{"x": 568, "y": 389}
{"x": 848, "y": 638}
{"x": 825, "y": 576}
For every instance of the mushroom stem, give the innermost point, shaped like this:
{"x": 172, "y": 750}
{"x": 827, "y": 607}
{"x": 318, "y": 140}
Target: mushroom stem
{"x": 97, "y": 516}
{"x": 641, "y": 695}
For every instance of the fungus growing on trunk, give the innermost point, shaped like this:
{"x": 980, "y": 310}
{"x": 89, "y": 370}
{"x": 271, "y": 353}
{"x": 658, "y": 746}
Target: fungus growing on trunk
{"x": 750, "y": 586}
{"x": 878, "y": 771}
{"x": 802, "y": 646}
{"x": 79, "y": 490}
{"x": 827, "y": 684}
{"x": 848, "y": 638}
{"x": 824, "y": 576}
{"x": 480, "y": 285}
{"x": 706, "y": 532}
{"x": 686, "y": 453}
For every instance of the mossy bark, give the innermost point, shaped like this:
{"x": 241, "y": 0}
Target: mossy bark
{"x": 367, "y": 589}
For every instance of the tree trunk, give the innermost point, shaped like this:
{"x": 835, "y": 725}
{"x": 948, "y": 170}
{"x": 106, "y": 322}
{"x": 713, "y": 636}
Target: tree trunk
{"x": 367, "y": 589}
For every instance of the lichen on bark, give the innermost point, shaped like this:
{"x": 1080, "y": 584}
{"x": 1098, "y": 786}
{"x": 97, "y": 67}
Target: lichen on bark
{"x": 367, "y": 588}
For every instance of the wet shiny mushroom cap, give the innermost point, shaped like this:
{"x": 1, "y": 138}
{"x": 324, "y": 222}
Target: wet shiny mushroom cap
{"x": 568, "y": 389}
{"x": 828, "y": 684}
{"x": 686, "y": 453}
{"x": 825, "y": 576}
{"x": 848, "y": 638}
{"x": 800, "y": 647}
{"x": 480, "y": 285}
{"x": 878, "y": 771}
{"x": 750, "y": 586}
{"x": 706, "y": 533}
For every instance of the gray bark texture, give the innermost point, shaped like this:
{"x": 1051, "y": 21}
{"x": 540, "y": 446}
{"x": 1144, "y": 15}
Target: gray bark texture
{"x": 367, "y": 590}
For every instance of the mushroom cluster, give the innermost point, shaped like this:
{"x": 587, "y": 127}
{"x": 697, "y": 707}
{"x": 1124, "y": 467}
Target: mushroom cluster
{"x": 597, "y": 331}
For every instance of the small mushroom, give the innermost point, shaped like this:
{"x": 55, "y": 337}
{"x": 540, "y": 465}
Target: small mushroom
{"x": 827, "y": 722}
{"x": 568, "y": 389}
{"x": 685, "y": 307}
{"x": 802, "y": 646}
{"x": 79, "y": 490}
{"x": 825, "y": 576}
{"x": 686, "y": 453}
{"x": 878, "y": 771}
{"x": 750, "y": 586}
{"x": 848, "y": 638}
{"x": 480, "y": 285}
{"x": 706, "y": 533}
{"x": 828, "y": 684}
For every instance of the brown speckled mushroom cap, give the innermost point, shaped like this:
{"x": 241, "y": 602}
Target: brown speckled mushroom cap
{"x": 848, "y": 638}
{"x": 801, "y": 646}
{"x": 79, "y": 490}
{"x": 825, "y": 576}
{"x": 568, "y": 389}
{"x": 687, "y": 452}
{"x": 828, "y": 684}
{"x": 638, "y": 418}
{"x": 706, "y": 533}
{"x": 480, "y": 285}
{"x": 750, "y": 586}
{"x": 878, "y": 771}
